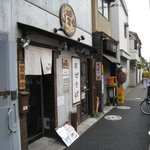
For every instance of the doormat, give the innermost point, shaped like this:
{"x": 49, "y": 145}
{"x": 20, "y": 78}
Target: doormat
{"x": 113, "y": 117}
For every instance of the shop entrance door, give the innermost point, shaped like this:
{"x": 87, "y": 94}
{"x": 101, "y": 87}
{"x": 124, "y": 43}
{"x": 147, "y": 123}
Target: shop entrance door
{"x": 35, "y": 114}
{"x": 84, "y": 88}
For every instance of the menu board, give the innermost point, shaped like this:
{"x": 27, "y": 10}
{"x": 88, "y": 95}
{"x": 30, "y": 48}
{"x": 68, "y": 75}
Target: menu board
{"x": 67, "y": 133}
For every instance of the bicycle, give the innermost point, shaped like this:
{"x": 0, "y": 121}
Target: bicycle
{"x": 145, "y": 104}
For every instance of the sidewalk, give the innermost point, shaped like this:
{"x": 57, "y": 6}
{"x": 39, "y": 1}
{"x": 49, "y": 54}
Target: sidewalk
{"x": 53, "y": 144}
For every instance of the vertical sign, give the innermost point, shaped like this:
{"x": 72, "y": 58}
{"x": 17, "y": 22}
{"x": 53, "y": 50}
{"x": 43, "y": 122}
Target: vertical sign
{"x": 21, "y": 76}
{"x": 76, "y": 80}
{"x": 98, "y": 71}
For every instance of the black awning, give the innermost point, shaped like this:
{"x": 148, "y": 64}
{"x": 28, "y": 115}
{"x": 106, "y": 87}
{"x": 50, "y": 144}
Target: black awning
{"x": 56, "y": 36}
{"x": 111, "y": 59}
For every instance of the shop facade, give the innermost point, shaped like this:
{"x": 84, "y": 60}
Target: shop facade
{"x": 106, "y": 47}
{"x": 54, "y": 74}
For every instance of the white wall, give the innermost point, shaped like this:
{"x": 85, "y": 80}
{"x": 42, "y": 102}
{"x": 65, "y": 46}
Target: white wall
{"x": 44, "y": 14}
{"x": 118, "y": 18}
{"x": 65, "y": 110}
{"x": 39, "y": 15}
{"x": 5, "y": 16}
{"x": 123, "y": 18}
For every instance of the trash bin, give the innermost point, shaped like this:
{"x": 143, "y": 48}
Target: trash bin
{"x": 74, "y": 121}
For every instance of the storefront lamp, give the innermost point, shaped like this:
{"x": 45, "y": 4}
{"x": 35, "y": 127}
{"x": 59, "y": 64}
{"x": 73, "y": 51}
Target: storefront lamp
{"x": 25, "y": 42}
{"x": 59, "y": 29}
{"x": 81, "y": 38}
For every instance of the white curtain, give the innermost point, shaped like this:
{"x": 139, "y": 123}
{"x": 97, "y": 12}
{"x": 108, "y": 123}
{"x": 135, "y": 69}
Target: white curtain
{"x": 34, "y": 57}
{"x": 46, "y": 59}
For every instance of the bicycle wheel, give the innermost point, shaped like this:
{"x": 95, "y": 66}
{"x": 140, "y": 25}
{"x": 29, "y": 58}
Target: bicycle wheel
{"x": 145, "y": 107}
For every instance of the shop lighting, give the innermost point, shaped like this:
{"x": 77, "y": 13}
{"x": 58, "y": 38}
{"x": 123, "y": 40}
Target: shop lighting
{"x": 65, "y": 46}
{"x": 81, "y": 38}
{"x": 25, "y": 42}
{"x": 59, "y": 29}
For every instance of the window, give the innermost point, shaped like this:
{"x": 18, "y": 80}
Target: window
{"x": 135, "y": 44}
{"x": 103, "y": 8}
{"x": 125, "y": 29}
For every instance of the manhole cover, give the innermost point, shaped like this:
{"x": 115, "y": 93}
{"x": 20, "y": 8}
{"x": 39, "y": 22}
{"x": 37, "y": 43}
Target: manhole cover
{"x": 124, "y": 107}
{"x": 113, "y": 117}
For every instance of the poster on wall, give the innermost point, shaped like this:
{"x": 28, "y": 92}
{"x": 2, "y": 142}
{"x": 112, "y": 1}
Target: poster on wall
{"x": 98, "y": 71}
{"x": 76, "y": 80}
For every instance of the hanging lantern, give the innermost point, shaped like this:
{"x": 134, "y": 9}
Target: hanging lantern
{"x": 122, "y": 77}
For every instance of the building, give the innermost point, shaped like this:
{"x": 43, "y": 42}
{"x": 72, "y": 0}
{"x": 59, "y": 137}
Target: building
{"x": 46, "y": 50}
{"x": 120, "y": 32}
{"x": 135, "y": 61}
{"x": 106, "y": 48}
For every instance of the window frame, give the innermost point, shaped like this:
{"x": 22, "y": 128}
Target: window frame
{"x": 103, "y": 8}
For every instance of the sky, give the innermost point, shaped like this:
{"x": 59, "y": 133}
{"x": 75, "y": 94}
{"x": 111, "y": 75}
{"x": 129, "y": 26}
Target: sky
{"x": 139, "y": 22}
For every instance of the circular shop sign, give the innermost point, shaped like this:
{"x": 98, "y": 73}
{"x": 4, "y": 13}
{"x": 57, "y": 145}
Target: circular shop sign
{"x": 68, "y": 19}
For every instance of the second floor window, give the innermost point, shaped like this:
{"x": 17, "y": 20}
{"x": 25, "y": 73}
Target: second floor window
{"x": 103, "y": 8}
{"x": 135, "y": 44}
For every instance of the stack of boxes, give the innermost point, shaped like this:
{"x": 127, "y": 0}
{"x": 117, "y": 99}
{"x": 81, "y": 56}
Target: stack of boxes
{"x": 120, "y": 95}
{"x": 112, "y": 82}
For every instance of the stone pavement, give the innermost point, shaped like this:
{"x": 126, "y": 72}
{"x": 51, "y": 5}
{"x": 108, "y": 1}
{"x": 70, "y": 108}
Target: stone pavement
{"x": 131, "y": 93}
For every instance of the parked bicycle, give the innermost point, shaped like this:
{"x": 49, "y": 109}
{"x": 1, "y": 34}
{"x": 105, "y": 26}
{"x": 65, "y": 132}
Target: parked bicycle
{"x": 145, "y": 104}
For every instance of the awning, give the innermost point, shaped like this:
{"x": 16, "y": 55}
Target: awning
{"x": 111, "y": 59}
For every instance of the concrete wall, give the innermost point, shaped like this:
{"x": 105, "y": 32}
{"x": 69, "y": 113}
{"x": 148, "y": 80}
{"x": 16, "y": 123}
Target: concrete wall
{"x": 45, "y": 15}
{"x": 123, "y": 18}
{"x": 6, "y": 26}
{"x": 65, "y": 110}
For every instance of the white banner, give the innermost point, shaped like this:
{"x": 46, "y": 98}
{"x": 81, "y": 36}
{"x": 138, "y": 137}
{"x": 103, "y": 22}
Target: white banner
{"x": 46, "y": 59}
{"x": 32, "y": 61}
{"x": 34, "y": 56}
{"x": 76, "y": 80}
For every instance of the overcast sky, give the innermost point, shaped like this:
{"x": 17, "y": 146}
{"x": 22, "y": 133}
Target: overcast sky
{"x": 139, "y": 22}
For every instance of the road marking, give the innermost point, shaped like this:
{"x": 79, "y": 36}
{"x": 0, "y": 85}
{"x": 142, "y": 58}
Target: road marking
{"x": 124, "y": 107}
{"x": 138, "y": 98}
{"x": 113, "y": 117}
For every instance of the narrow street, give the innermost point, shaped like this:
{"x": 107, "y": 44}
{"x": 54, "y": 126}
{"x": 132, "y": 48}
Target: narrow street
{"x": 128, "y": 133}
